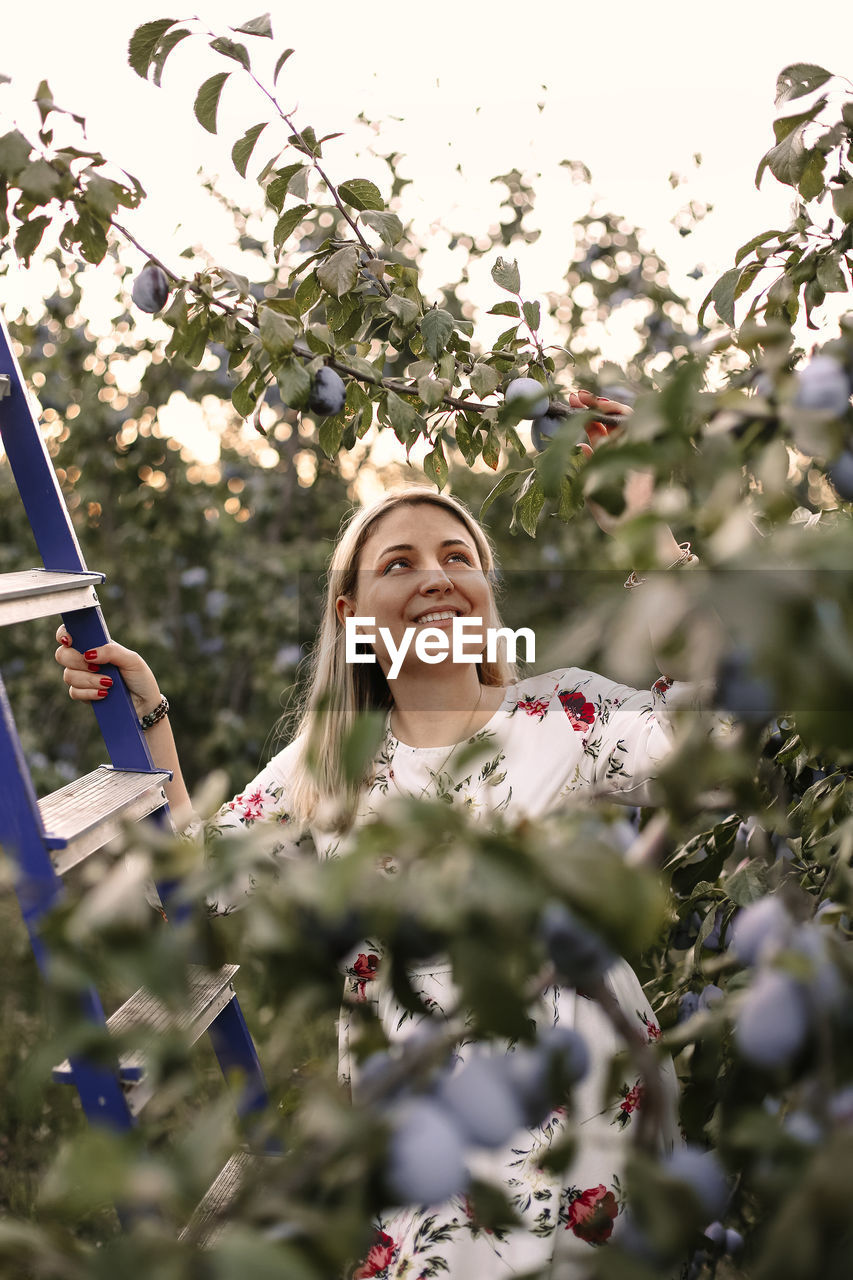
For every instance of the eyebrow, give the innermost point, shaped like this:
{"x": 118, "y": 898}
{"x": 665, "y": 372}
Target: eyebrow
{"x": 407, "y": 546}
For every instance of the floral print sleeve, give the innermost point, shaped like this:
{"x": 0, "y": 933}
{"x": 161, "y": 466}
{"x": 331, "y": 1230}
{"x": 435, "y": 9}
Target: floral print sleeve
{"x": 262, "y": 807}
{"x": 626, "y": 732}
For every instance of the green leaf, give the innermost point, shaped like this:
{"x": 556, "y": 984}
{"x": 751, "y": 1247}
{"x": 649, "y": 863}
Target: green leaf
{"x": 812, "y": 183}
{"x": 785, "y": 125}
{"x": 531, "y": 315}
{"x": 44, "y": 100}
{"x": 435, "y": 467}
{"x": 339, "y": 273}
{"x": 406, "y": 421}
{"x": 492, "y": 449}
{"x": 504, "y": 309}
{"x": 363, "y": 368}
{"x": 308, "y": 294}
{"x": 465, "y": 442}
{"x": 361, "y": 194}
{"x": 143, "y": 44}
{"x": 330, "y": 434}
{"x": 40, "y": 182}
{"x": 528, "y": 505}
{"x": 361, "y": 744}
{"x": 277, "y": 333}
{"x": 432, "y": 390}
{"x": 280, "y": 63}
{"x": 231, "y": 49}
{"x": 842, "y": 202}
{"x": 287, "y": 224}
{"x": 754, "y": 243}
{"x": 294, "y": 383}
{"x": 798, "y": 79}
{"x": 14, "y": 154}
{"x": 508, "y": 483}
{"x": 261, "y": 26}
{"x": 723, "y": 296}
{"x": 404, "y": 309}
{"x": 745, "y": 279}
{"x": 829, "y": 274}
{"x": 245, "y": 395}
{"x": 164, "y": 48}
{"x": 242, "y": 150}
{"x": 786, "y": 161}
{"x": 484, "y": 380}
{"x": 207, "y": 100}
{"x": 506, "y": 275}
{"x": 436, "y": 328}
{"x": 29, "y": 237}
{"x": 387, "y": 225}
{"x": 278, "y": 188}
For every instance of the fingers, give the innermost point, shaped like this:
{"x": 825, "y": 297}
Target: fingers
{"x": 597, "y": 431}
{"x": 82, "y": 671}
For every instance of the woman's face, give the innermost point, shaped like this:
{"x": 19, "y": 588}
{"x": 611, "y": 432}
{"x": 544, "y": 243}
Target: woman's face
{"x": 419, "y": 568}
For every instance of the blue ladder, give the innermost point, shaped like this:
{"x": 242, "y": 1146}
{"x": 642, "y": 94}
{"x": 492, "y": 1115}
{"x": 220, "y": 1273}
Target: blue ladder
{"x": 46, "y": 837}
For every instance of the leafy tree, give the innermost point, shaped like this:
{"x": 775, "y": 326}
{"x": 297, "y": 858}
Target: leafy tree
{"x": 746, "y": 954}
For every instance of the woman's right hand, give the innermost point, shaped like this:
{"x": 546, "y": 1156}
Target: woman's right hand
{"x": 86, "y": 683}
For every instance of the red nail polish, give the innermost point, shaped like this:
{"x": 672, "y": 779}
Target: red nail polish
{"x": 66, "y": 640}
{"x": 102, "y": 693}
{"x": 93, "y": 666}
{"x": 105, "y": 682}
{"x": 90, "y": 655}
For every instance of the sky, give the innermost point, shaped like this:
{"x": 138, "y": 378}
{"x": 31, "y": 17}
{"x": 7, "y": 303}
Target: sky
{"x": 465, "y": 91}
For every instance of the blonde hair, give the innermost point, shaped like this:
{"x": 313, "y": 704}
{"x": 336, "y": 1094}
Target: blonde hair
{"x": 338, "y": 691}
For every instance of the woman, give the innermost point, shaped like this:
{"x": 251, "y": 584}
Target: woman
{"x": 418, "y": 560}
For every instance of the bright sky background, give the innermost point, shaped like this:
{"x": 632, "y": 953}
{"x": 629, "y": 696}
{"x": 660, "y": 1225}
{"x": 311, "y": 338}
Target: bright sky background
{"x": 633, "y": 90}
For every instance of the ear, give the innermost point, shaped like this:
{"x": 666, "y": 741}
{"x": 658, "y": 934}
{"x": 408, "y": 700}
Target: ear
{"x": 344, "y": 608}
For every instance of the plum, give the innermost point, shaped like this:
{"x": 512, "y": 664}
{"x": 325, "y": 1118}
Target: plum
{"x": 328, "y": 392}
{"x": 526, "y": 389}
{"x": 823, "y": 385}
{"x": 150, "y": 290}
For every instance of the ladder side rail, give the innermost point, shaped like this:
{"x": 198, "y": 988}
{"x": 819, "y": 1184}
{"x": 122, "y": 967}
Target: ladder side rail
{"x": 33, "y": 470}
{"x": 22, "y": 833}
{"x": 235, "y": 1051}
{"x": 116, "y": 717}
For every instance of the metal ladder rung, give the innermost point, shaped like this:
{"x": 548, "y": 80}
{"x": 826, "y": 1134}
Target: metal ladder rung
{"x": 40, "y": 593}
{"x": 210, "y": 993}
{"x": 208, "y": 1219}
{"x": 85, "y": 814}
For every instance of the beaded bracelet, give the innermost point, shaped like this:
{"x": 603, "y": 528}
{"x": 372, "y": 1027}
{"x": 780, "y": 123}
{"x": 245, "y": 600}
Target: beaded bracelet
{"x": 161, "y": 710}
{"x": 687, "y": 557}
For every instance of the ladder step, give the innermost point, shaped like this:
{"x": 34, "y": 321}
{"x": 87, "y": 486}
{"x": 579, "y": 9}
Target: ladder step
{"x": 85, "y": 814}
{"x": 209, "y": 1217}
{"x": 40, "y": 593}
{"x": 210, "y": 992}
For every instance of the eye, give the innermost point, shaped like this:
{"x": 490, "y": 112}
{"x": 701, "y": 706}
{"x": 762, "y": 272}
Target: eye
{"x": 462, "y": 555}
{"x": 391, "y": 563}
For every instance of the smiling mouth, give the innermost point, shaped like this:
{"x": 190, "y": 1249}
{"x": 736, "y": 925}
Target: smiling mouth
{"x": 437, "y": 617}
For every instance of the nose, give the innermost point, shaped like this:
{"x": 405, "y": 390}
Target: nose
{"x": 434, "y": 580}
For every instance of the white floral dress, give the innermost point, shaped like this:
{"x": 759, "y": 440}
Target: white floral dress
{"x": 555, "y": 734}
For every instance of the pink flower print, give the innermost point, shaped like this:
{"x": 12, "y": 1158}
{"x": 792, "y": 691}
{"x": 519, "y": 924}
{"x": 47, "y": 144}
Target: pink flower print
{"x": 591, "y": 1214}
{"x": 580, "y": 712}
{"x": 378, "y": 1259}
{"x": 250, "y": 807}
{"x": 533, "y": 706}
{"x": 364, "y": 970}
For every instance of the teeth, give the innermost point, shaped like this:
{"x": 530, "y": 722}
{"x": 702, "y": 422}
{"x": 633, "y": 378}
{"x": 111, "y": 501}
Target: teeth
{"x": 438, "y": 617}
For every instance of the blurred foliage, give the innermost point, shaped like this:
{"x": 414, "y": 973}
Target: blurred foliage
{"x": 212, "y": 573}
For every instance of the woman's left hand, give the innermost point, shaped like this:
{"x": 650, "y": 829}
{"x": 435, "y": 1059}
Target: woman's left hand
{"x": 639, "y": 485}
